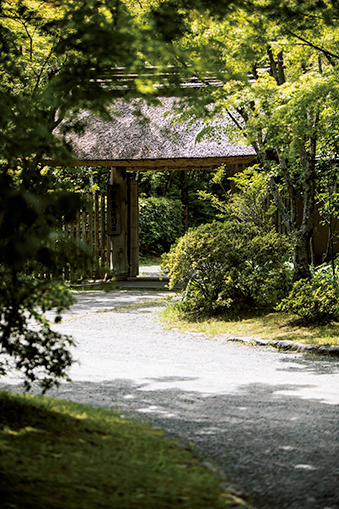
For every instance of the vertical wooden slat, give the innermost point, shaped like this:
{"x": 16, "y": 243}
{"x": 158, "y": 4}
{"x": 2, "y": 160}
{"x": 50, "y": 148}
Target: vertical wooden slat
{"x": 107, "y": 237}
{"x": 96, "y": 222}
{"x": 90, "y": 233}
{"x": 103, "y": 233}
{"x": 90, "y": 226}
{"x": 133, "y": 228}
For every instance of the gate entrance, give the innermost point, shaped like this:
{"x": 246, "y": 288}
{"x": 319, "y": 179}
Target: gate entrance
{"x": 133, "y": 143}
{"x": 123, "y": 212}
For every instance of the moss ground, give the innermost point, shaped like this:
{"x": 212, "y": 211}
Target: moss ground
{"x": 56, "y": 454}
{"x": 273, "y": 326}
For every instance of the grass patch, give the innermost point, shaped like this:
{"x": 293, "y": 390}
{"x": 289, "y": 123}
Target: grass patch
{"x": 272, "y": 326}
{"x": 57, "y": 454}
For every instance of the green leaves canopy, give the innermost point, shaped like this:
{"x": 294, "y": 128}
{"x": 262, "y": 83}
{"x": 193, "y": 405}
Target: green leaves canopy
{"x": 276, "y": 68}
{"x": 54, "y": 60}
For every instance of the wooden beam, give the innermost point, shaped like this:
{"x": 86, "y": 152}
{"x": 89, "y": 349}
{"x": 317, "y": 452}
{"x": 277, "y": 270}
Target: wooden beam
{"x": 163, "y": 164}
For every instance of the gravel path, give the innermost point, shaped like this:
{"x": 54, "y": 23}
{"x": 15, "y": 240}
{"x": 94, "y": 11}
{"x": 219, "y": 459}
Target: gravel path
{"x": 269, "y": 420}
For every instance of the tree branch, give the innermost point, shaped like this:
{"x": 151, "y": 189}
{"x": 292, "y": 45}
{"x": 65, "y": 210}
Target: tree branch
{"x": 234, "y": 120}
{"x": 328, "y": 54}
{"x": 43, "y": 66}
{"x": 281, "y": 72}
{"x": 273, "y": 66}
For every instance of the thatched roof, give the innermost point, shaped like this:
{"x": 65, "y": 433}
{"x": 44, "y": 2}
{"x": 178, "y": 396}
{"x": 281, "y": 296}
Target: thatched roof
{"x": 149, "y": 137}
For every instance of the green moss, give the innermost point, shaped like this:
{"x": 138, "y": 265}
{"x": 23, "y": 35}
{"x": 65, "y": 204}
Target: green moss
{"x": 265, "y": 325}
{"x": 59, "y": 454}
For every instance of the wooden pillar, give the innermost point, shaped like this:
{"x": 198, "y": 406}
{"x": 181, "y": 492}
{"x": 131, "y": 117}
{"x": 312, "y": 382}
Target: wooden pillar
{"x": 133, "y": 226}
{"x": 117, "y": 223}
{"x": 122, "y": 225}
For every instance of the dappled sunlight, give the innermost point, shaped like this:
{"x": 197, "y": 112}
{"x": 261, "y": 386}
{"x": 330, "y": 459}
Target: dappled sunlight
{"x": 99, "y": 301}
{"x": 93, "y": 458}
{"x": 262, "y": 434}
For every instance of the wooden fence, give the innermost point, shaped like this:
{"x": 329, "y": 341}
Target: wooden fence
{"x": 89, "y": 231}
{"x": 83, "y": 247}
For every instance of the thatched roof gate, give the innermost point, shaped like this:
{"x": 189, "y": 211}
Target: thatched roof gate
{"x": 143, "y": 137}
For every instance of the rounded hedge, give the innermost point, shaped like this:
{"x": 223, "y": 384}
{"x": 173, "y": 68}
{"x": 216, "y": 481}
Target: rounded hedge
{"x": 315, "y": 302}
{"x": 229, "y": 266}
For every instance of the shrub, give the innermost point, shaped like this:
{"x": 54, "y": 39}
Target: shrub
{"x": 228, "y": 266}
{"x": 326, "y": 272}
{"x": 160, "y": 224}
{"x": 314, "y": 300}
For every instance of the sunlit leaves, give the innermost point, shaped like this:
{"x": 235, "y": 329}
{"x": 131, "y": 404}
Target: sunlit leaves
{"x": 53, "y": 60}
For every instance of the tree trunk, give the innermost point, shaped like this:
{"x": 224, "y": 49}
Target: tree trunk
{"x": 304, "y": 233}
{"x": 301, "y": 258}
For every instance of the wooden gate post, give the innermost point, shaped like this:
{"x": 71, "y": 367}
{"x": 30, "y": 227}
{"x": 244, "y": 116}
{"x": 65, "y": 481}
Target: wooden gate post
{"x": 122, "y": 225}
{"x": 133, "y": 226}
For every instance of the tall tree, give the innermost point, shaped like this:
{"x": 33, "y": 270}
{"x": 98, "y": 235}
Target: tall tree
{"x": 53, "y": 60}
{"x": 275, "y": 76}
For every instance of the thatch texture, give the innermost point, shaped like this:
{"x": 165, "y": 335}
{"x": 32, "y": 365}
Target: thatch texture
{"x": 148, "y": 137}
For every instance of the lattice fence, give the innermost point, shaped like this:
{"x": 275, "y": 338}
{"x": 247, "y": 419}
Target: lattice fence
{"x": 90, "y": 228}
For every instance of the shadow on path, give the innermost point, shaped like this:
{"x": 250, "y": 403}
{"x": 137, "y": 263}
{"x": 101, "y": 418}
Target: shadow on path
{"x": 279, "y": 450}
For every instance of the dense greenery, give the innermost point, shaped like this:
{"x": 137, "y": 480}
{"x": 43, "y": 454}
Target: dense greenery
{"x": 278, "y": 85}
{"x": 315, "y": 300}
{"x": 242, "y": 263}
{"x": 229, "y": 266}
{"x": 160, "y": 224}
{"x": 249, "y": 200}
{"x": 28, "y": 244}
{"x": 277, "y": 73}
{"x": 239, "y": 262}
{"x": 183, "y": 185}
{"x": 52, "y": 55}
{"x": 59, "y": 454}
{"x": 277, "y": 65}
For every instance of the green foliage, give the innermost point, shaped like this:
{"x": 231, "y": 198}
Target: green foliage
{"x": 327, "y": 272}
{"x": 28, "y": 342}
{"x": 55, "y": 55}
{"x": 277, "y": 65}
{"x": 28, "y": 244}
{"x": 60, "y": 454}
{"x": 169, "y": 184}
{"x": 248, "y": 201}
{"x": 84, "y": 179}
{"x": 52, "y": 59}
{"x": 226, "y": 267}
{"x": 315, "y": 301}
{"x": 160, "y": 224}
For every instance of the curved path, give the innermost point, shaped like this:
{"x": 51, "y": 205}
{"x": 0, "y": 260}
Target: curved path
{"x": 268, "y": 420}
